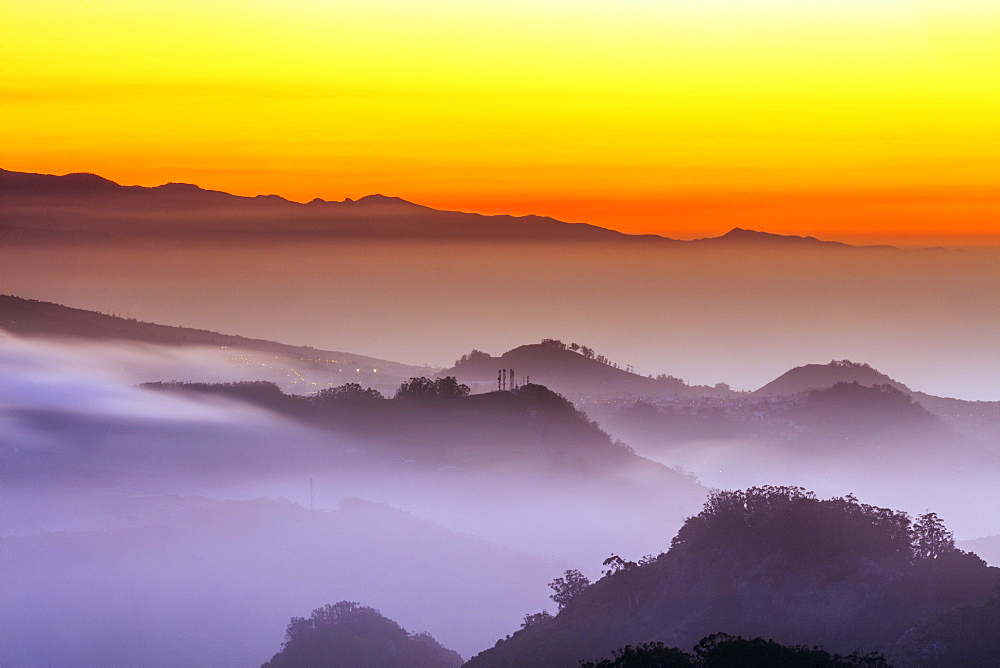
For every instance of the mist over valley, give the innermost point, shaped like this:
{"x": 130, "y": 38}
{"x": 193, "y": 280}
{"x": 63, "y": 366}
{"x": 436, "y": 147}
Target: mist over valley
{"x": 218, "y": 414}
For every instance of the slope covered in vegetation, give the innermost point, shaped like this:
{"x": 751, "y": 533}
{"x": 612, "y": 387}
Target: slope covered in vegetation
{"x": 779, "y": 563}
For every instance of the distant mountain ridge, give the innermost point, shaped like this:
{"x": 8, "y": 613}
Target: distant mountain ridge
{"x": 82, "y": 207}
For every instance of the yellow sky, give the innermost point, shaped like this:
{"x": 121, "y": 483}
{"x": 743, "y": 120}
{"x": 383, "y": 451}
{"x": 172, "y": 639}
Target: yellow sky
{"x": 618, "y": 112}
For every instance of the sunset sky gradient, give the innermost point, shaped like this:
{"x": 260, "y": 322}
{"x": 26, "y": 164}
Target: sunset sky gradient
{"x": 859, "y": 120}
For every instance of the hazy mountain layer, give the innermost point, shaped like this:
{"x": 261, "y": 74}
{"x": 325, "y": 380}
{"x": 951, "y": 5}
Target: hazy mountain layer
{"x": 213, "y": 583}
{"x": 32, "y": 318}
{"x": 395, "y": 280}
{"x": 75, "y": 208}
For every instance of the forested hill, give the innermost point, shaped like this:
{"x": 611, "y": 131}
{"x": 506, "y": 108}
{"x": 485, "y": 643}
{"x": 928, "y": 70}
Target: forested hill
{"x": 779, "y": 563}
{"x": 437, "y": 422}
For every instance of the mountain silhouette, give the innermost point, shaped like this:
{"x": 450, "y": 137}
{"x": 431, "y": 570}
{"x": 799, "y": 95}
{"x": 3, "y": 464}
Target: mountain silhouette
{"x": 43, "y": 208}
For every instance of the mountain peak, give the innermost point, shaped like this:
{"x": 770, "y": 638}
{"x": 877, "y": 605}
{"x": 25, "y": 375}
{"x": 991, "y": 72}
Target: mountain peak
{"x": 386, "y": 203}
{"x": 77, "y": 183}
{"x": 741, "y": 235}
{"x": 178, "y": 187}
{"x": 380, "y": 199}
{"x": 821, "y": 376}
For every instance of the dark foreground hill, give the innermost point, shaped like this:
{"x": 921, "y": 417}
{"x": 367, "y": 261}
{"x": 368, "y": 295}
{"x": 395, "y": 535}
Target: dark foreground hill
{"x": 779, "y": 563}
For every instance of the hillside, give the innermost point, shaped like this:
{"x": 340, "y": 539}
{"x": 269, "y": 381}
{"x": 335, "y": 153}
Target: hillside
{"x": 531, "y": 429}
{"x": 980, "y": 419}
{"x": 774, "y": 562}
{"x": 570, "y": 372}
{"x": 821, "y": 376}
{"x": 75, "y": 208}
{"x": 987, "y": 547}
{"x": 31, "y": 318}
{"x": 852, "y": 412}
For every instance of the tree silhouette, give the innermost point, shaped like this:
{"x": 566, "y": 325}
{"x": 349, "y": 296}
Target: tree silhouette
{"x": 568, "y": 587}
{"x": 931, "y": 539}
{"x": 616, "y": 564}
{"x": 537, "y": 618}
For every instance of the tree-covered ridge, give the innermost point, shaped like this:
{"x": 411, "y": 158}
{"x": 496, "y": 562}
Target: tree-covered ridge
{"x": 437, "y": 420}
{"x": 777, "y": 562}
{"x": 793, "y": 521}
{"x": 350, "y": 635}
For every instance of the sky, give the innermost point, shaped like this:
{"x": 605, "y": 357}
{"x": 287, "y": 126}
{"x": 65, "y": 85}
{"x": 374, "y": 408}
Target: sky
{"x": 866, "y": 121}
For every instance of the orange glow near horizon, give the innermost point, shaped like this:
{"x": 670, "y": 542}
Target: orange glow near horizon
{"x": 874, "y": 122}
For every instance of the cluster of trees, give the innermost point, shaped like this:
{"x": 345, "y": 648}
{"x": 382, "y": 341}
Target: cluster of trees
{"x": 261, "y": 392}
{"x": 721, "y": 650}
{"x": 474, "y": 356}
{"x": 350, "y": 635}
{"x": 266, "y": 393}
{"x": 349, "y": 393}
{"x": 795, "y": 521}
{"x": 426, "y": 388}
{"x": 585, "y": 351}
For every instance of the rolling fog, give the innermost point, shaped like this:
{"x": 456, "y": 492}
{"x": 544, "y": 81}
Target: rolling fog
{"x": 737, "y": 315}
{"x": 155, "y": 527}
{"x": 143, "y": 527}
{"x": 959, "y": 481}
